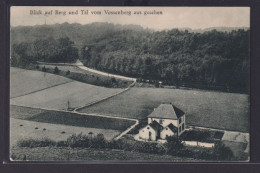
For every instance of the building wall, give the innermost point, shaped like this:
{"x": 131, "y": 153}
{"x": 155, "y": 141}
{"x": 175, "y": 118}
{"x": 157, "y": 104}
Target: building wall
{"x": 183, "y": 121}
{"x": 144, "y": 133}
{"x": 166, "y": 122}
{"x": 166, "y": 131}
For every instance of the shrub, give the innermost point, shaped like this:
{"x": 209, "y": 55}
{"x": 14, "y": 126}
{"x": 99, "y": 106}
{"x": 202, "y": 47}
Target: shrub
{"x": 113, "y": 80}
{"x": 44, "y": 69}
{"x": 78, "y": 141}
{"x": 98, "y": 141}
{"x": 185, "y": 153}
{"x": 56, "y": 70}
{"x": 203, "y": 154}
{"x": 13, "y": 156}
{"x": 221, "y": 152}
{"x": 113, "y": 144}
{"x": 173, "y": 145}
{"x": 61, "y": 144}
{"x": 156, "y": 84}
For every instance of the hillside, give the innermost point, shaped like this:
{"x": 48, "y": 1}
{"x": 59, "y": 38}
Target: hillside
{"x": 214, "y": 58}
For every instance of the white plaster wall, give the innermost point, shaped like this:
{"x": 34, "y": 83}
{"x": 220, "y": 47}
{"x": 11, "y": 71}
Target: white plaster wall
{"x": 165, "y": 132}
{"x": 144, "y": 133}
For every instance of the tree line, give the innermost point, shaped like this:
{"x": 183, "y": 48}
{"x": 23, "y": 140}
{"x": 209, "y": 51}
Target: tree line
{"x": 209, "y": 60}
{"x": 47, "y": 50}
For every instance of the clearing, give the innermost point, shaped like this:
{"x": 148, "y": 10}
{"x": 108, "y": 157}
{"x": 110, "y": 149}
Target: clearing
{"x": 218, "y": 110}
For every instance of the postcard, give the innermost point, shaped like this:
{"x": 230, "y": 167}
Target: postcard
{"x": 129, "y": 84}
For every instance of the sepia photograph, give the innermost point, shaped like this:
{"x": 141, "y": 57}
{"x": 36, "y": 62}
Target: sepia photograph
{"x": 129, "y": 84}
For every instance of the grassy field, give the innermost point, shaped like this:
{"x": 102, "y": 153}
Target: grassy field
{"x": 77, "y": 93}
{"x": 72, "y": 119}
{"x": 26, "y": 81}
{"x": 203, "y": 108}
{"x": 87, "y": 77}
{"x": 22, "y": 129}
{"x": 69, "y": 154}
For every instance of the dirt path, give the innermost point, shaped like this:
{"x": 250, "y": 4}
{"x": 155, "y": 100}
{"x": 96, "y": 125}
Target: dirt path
{"x": 106, "y": 74}
{"x": 80, "y": 65}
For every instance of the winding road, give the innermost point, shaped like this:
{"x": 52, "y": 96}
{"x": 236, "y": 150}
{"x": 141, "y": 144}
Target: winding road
{"x": 80, "y": 65}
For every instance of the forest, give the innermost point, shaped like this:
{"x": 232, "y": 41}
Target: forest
{"x": 217, "y": 60}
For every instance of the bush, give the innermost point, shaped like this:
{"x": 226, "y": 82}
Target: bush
{"x": 61, "y": 144}
{"x": 98, "y": 141}
{"x": 173, "y": 145}
{"x": 78, "y": 141}
{"x": 221, "y": 152}
{"x": 113, "y": 80}
{"x": 56, "y": 70}
{"x": 185, "y": 153}
{"x": 44, "y": 69}
{"x": 204, "y": 154}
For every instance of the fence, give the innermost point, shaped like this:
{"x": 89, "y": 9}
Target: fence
{"x": 199, "y": 144}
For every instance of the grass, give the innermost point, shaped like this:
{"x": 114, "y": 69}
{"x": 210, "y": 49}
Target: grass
{"x": 202, "y": 136}
{"x": 23, "y": 112}
{"x": 77, "y": 93}
{"x": 87, "y": 77}
{"x": 81, "y": 120}
{"x": 55, "y": 132}
{"x": 27, "y": 81}
{"x": 72, "y": 119}
{"x": 203, "y": 108}
{"x": 77, "y": 154}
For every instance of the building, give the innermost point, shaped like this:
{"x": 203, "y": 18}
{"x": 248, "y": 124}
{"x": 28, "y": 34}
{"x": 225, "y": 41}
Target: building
{"x": 165, "y": 120}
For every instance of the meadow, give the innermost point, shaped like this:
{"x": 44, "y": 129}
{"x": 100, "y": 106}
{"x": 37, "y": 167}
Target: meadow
{"x": 69, "y": 118}
{"x": 23, "y": 129}
{"x": 24, "y": 82}
{"x": 74, "y": 94}
{"x": 202, "y": 108}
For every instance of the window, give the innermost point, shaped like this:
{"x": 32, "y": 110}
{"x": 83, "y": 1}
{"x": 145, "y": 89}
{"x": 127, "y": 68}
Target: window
{"x": 148, "y": 127}
{"x": 160, "y": 121}
{"x": 180, "y": 129}
{"x": 182, "y": 126}
{"x": 180, "y": 121}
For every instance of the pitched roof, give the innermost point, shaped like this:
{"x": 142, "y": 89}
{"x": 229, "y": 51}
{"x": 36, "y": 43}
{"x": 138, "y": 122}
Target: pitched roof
{"x": 155, "y": 125}
{"x": 166, "y": 111}
{"x": 172, "y": 127}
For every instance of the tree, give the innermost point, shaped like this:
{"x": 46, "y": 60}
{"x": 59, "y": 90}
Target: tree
{"x": 221, "y": 152}
{"x": 174, "y": 145}
{"x": 56, "y": 70}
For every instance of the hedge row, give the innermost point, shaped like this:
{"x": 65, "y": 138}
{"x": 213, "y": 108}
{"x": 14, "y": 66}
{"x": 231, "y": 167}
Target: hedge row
{"x": 173, "y": 146}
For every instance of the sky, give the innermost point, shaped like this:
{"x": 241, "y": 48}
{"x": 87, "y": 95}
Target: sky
{"x": 168, "y": 17}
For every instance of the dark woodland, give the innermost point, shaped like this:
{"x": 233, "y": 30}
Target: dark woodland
{"x": 215, "y": 59}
